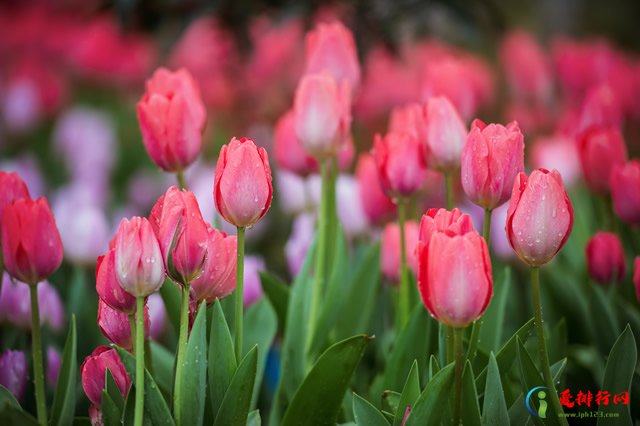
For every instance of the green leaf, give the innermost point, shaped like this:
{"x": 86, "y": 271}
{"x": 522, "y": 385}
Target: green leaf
{"x": 494, "y": 410}
{"x": 618, "y": 375}
{"x": 235, "y": 406}
{"x": 493, "y": 318}
{"x": 222, "y": 358}
{"x": 471, "y": 408}
{"x": 391, "y": 400}
{"x": 155, "y": 407}
{"x": 6, "y": 397}
{"x": 111, "y": 416}
{"x": 163, "y": 363}
{"x": 64, "y": 401}
{"x": 193, "y": 386}
{"x": 14, "y": 415}
{"x": 171, "y": 297}
{"x": 604, "y": 323}
{"x": 434, "y": 367}
{"x": 557, "y": 342}
{"x": 366, "y": 414}
{"x": 410, "y": 393}
{"x": 278, "y": 294}
{"x": 260, "y": 327}
{"x": 429, "y": 408}
{"x": 317, "y": 401}
{"x": 254, "y": 418}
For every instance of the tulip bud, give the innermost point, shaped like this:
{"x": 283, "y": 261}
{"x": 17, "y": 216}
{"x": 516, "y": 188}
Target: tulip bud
{"x": 288, "y": 151}
{"x": 13, "y": 372}
{"x": 401, "y": 168}
{"x": 218, "y": 279}
{"x": 376, "y": 204}
{"x": 93, "y": 372}
{"x": 172, "y": 118}
{"x": 322, "y": 114}
{"x": 108, "y": 286}
{"x": 390, "y": 249}
{"x": 454, "y": 268}
{"x": 242, "y": 188}
{"x": 54, "y": 360}
{"x": 13, "y": 188}
{"x": 600, "y": 149}
{"x": 252, "y": 290}
{"x": 491, "y": 159}
{"x": 182, "y": 233}
{"x": 157, "y": 316}
{"x": 636, "y": 276}
{"x": 540, "y": 216}
{"x": 605, "y": 258}
{"x": 625, "y": 192}
{"x": 331, "y": 48}
{"x": 445, "y": 134}
{"x": 116, "y": 326}
{"x": 137, "y": 257}
{"x": 31, "y": 244}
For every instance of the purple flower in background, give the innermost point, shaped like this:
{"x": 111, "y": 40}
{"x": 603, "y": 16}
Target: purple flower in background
{"x": 21, "y": 106}
{"x": 27, "y": 168}
{"x": 349, "y": 205}
{"x": 252, "y": 284}
{"x": 499, "y": 241}
{"x": 299, "y": 241}
{"x": 157, "y": 316}
{"x": 291, "y": 192}
{"x": 53, "y": 366}
{"x": 145, "y": 187}
{"x": 15, "y": 306}
{"x": 13, "y": 372}
{"x": 200, "y": 181}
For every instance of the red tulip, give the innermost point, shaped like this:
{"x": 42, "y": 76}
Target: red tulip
{"x": 540, "y": 216}
{"x": 331, "y": 48}
{"x": 636, "y": 276}
{"x": 445, "y": 134}
{"x": 181, "y": 232}
{"x": 390, "y": 249}
{"x": 93, "y": 372}
{"x": 491, "y": 159}
{"x": 401, "y": 167}
{"x": 600, "y": 150}
{"x": 13, "y": 188}
{"x": 600, "y": 108}
{"x": 376, "y": 204}
{"x": 138, "y": 260}
{"x": 108, "y": 286}
{"x": 242, "y": 188}
{"x": 116, "y": 327}
{"x": 31, "y": 244}
{"x": 605, "y": 258}
{"x": 625, "y": 191}
{"x": 454, "y": 268}
{"x": 172, "y": 118}
{"x": 218, "y": 279}
{"x": 322, "y": 114}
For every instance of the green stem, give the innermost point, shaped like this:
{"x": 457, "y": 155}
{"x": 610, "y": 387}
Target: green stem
{"x": 459, "y": 366}
{"x": 36, "y": 341}
{"x": 132, "y": 325}
{"x": 486, "y": 230}
{"x": 403, "y": 303}
{"x": 239, "y": 292}
{"x": 542, "y": 346}
{"x": 139, "y": 352}
{"x": 182, "y": 348}
{"x": 448, "y": 186}
{"x": 180, "y": 178}
{"x": 450, "y": 344}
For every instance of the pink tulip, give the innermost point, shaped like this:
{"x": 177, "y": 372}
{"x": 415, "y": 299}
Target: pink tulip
{"x": 31, "y": 244}
{"x": 390, "y": 249}
{"x": 636, "y": 276}
{"x": 181, "y": 231}
{"x": 600, "y": 150}
{"x": 93, "y": 373}
{"x": 331, "y": 48}
{"x": 116, "y": 327}
{"x": 445, "y": 135}
{"x": 108, "y": 286}
{"x": 218, "y": 279}
{"x": 491, "y": 159}
{"x": 172, "y": 118}
{"x": 289, "y": 154}
{"x": 454, "y": 268}
{"x": 13, "y": 372}
{"x": 605, "y": 258}
{"x": 242, "y": 188}
{"x": 13, "y": 188}
{"x": 401, "y": 167}
{"x": 54, "y": 360}
{"x": 138, "y": 260}
{"x": 625, "y": 192}
{"x": 322, "y": 114}
{"x": 540, "y": 216}
{"x": 376, "y": 204}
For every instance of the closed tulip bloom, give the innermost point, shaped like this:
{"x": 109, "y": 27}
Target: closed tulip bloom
{"x": 108, "y": 286}
{"x": 331, "y": 48}
{"x": 31, "y": 244}
{"x": 116, "y": 327}
{"x": 454, "y": 277}
{"x": 401, "y": 167}
{"x": 605, "y": 258}
{"x": 13, "y": 372}
{"x": 322, "y": 114}
{"x": 218, "y": 279}
{"x": 540, "y": 216}
{"x": 636, "y": 276}
{"x": 182, "y": 233}
{"x": 288, "y": 151}
{"x": 172, "y": 118}
{"x": 445, "y": 134}
{"x": 600, "y": 149}
{"x": 138, "y": 260}
{"x": 625, "y": 192}
{"x": 491, "y": 159}
{"x": 390, "y": 249}
{"x": 452, "y": 222}
{"x": 13, "y": 188}
{"x": 376, "y": 204}
{"x": 242, "y": 188}
{"x": 93, "y": 373}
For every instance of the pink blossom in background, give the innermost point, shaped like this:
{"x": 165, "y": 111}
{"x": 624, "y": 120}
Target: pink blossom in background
{"x": 349, "y": 206}
{"x": 252, "y": 284}
{"x": 26, "y": 166}
{"x": 291, "y": 192}
{"x": 299, "y": 241}
{"x": 600, "y": 108}
{"x": 556, "y": 152}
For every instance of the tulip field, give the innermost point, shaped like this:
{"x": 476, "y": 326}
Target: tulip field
{"x": 329, "y": 214}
